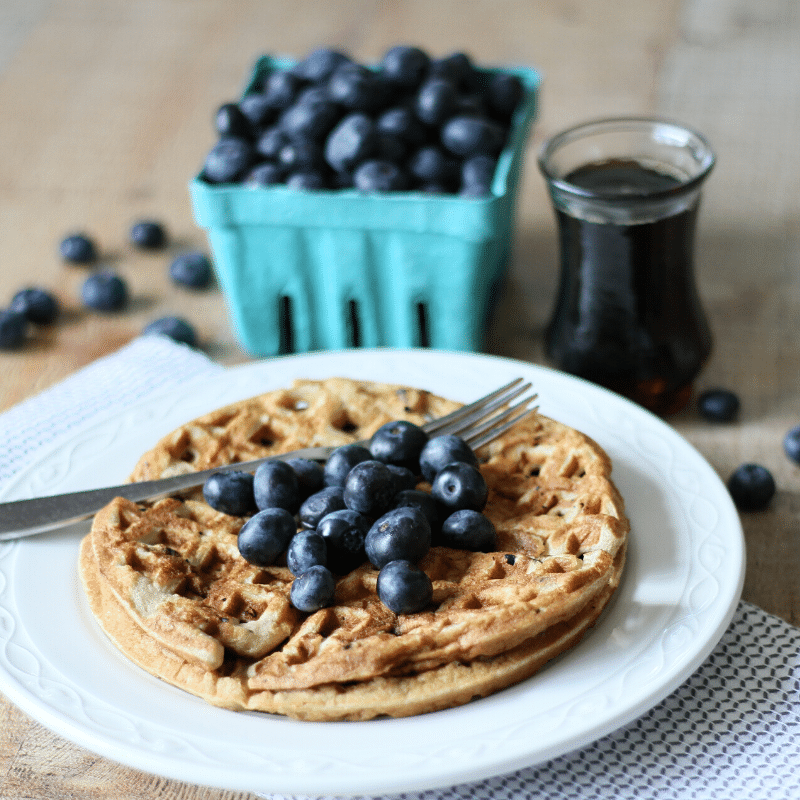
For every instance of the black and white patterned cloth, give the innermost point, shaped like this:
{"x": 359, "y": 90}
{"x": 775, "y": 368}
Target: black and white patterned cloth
{"x": 730, "y": 732}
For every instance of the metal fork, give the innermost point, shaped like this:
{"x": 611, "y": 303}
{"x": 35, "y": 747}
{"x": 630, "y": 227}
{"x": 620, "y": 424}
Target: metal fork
{"x": 476, "y": 423}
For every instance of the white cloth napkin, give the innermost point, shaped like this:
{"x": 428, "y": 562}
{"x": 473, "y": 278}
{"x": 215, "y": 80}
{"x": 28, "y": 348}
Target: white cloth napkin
{"x": 731, "y": 731}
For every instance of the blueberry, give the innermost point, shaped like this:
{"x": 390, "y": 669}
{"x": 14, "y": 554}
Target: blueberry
{"x": 275, "y": 485}
{"x": 459, "y": 486}
{"x": 306, "y": 180}
{"x": 310, "y": 118}
{"x": 505, "y": 91}
{"x": 353, "y": 140}
{"x": 264, "y": 174}
{"x": 405, "y": 66}
{"x": 300, "y": 155}
{"x": 376, "y": 175}
{"x": 404, "y": 588}
{"x": 355, "y": 87}
{"x": 402, "y": 533}
{"x": 309, "y": 475}
{"x": 281, "y": 88}
{"x": 78, "y": 249}
{"x": 266, "y": 535}
{"x": 270, "y": 142}
{"x": 320, "y": 504}
{"x": 402, "y": 478}
{"x": 230, "y": 492}
{"x": 442, "y": 450}
{"x": 177, "y": 329}
{"x": 456, "y": 68}
{"x": 403, "y": 122}
{"x": 342, "y": 460}
{"x": 191, "y": 269}
{"x": 313, "y": 590}
{"x": 228, "y": 160}
{"x": 791, "y": 444}
{"x": 477, "y": 174}
{"x": 430, "y": 164}
{"x": 105, "y": 291}
{"x": 344, "y": 532}
{"x": 369, "y": 488}
{"x": 230, "y": 121}
{"x": 390, "y": 147}
{"x": 751, "y": 486}
{"x": 468, "y": 530}
{"x": 307, "y": 549}
{"x": 148, "y": 234}
{"x": 718, "y": 405}
{"x": 466, "y": 136}
{"x": 437, "y": 100}
{"x": 399, "y": 442}
{"x": 38, "y": 305}
{"x": 320, "y": 64}
{"x": 13, "y": 329}
{"x": 425, "y": 502}
{"x": 257, "y": 110}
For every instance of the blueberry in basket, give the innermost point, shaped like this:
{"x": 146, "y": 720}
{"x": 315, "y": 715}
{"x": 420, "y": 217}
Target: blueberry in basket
{"x": 367, "y": 121}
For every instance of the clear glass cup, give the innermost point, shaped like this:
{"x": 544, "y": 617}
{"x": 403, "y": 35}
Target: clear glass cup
{"x": 626, "y": 193}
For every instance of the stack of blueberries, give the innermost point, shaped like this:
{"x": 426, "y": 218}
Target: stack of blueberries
{"x": 409, "y": 123}
{"x": 361, "y": 505}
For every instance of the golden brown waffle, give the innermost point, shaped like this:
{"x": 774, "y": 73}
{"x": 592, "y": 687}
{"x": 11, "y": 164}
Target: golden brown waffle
{"x": 169, "y": 587}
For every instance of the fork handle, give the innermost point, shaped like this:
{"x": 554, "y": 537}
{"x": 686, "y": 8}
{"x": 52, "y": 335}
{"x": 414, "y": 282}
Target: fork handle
{"x": 21, "y": 518}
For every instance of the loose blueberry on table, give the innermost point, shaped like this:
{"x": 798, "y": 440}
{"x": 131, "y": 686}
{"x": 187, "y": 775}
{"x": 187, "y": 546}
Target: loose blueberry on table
{"x": 751, "y": 486}
{"x": 78, "y": 249}
{"x": 191, "y": 269}
{"x": 148, "y": 235}
{"x": 38, "y": 305}
{"x": 718, "y": 405}
{"x": 13, "y": 329}
{"x": 791, "y": 444}
{"x": 105, "y": 291}
{"x": 177, "y": 329}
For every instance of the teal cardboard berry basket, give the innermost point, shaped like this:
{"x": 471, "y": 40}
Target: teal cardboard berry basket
{"x": 333, "y": 269}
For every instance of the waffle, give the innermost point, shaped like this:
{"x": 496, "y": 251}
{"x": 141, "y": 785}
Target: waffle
{"x": 167, "y": 583}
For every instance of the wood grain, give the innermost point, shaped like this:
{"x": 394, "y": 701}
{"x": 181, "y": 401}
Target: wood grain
{"x": 107, "y": 109}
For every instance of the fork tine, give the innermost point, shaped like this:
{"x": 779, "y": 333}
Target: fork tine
{"x": 465, "y": 417}
{"x": 498, "y": 425}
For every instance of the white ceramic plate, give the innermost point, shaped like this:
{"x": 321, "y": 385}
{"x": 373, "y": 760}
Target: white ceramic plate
{"x": 682, "y": 582}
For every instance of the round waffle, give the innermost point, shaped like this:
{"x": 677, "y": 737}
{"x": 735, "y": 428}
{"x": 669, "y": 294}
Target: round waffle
{"x": 168, "y": 585}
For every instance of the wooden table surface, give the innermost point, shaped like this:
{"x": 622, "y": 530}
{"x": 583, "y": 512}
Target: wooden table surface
{"x": 106, "y": 114}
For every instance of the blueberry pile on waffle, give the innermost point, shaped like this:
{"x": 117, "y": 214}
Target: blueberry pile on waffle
{"x": 168, "y": 584}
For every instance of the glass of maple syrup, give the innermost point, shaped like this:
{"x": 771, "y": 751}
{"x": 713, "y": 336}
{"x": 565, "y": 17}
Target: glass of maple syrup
{"x": 626, "y": 193}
